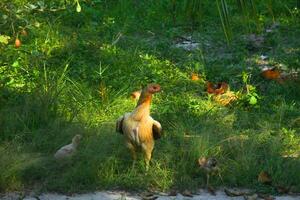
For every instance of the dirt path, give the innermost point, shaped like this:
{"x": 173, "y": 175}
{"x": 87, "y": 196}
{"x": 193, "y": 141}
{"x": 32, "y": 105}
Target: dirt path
{"x": 107, "y": 195}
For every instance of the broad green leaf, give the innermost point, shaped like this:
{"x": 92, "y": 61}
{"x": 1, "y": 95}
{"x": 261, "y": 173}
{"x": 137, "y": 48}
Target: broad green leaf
{"x": 78, "y": 7}
{"x": 252, "y": 100}
{"x": 4, "y": 39}
{"x": 4, "y": 17}
{"x": 16, "y": 64}
{"x": 245, "y": 76}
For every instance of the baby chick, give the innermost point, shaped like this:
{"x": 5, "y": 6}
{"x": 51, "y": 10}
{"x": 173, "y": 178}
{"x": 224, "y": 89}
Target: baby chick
{"x": 265, "y": 178}
{"x": 210, "y": 165}
{"x": 68, "y": 150}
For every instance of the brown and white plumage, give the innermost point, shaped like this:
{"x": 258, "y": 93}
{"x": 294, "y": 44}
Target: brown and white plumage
{"x": 138, "y": 127}
{"x": 68, "y": 150}
{"x": 210, "y": 165}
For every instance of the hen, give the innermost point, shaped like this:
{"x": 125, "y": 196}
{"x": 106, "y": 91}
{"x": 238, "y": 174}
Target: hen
{"x": 139, "y": 128}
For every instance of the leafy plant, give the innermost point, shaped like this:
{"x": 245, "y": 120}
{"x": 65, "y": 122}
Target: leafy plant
{"x": 4, "y": 39}
{"x": 248, "y": 95}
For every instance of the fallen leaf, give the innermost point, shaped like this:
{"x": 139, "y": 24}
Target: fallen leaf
{"x": 195, "y": 77}
{"x": 226, "y": 98}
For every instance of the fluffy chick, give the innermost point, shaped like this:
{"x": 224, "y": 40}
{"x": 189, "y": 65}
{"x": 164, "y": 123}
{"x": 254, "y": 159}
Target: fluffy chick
{"x": 210, "y": 165}
{"x": 68, "y": 150}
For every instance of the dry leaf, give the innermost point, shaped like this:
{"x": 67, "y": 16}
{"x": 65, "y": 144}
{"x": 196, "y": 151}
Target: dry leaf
{"x": 195, "y": 77}
{"x": 226, "y": 98}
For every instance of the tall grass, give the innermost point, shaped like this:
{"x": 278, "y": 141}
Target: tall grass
{"x": 224, "y": 16}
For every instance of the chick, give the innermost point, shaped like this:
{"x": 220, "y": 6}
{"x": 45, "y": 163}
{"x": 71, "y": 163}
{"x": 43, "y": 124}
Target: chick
{"x": 68, "y": 150}
{"x": 265, "y": 178}
{"x": 210, "y": 166}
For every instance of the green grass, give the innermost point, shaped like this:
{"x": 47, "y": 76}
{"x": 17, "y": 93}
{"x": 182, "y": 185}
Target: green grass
{"x": 69, "y": 77}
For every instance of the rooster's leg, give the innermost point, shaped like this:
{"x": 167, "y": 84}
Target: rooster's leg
{"x": 132, "y": 151}
{"x": 147, "y": 149}
{"x": 207, "y": 180}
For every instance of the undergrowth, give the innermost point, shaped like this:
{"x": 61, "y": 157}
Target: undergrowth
{"x": 74, "y": 72}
